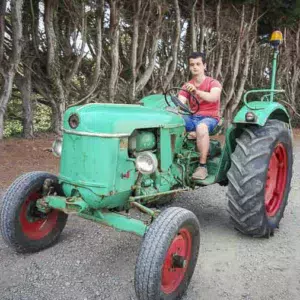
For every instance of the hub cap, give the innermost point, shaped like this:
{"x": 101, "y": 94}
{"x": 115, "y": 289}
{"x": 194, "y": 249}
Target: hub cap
{"x": 35, "y": 224}
{"x": 276, "y": 180}
{"x": 176, "y": 261}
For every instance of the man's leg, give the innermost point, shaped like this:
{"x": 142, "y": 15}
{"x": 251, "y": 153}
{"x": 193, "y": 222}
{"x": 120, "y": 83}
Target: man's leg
{"x": 189, "y": 124}
{"x": 202, "y": 141}
{"x": 203, "y": 128}
{"x": 203, "y": 147}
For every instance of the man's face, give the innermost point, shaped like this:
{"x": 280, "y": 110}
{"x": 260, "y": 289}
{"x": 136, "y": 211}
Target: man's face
{"x": 196, "y": 66}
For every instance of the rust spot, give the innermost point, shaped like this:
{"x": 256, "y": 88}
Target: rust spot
{"x": 173, "y": 140}
{"x": 124, "y": 143}
{"x": 126, "y": 175}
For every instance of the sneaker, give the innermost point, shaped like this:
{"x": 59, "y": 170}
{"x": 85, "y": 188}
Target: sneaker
{"x": 200, "y": 173}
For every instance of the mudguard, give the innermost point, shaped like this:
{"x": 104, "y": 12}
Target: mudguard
{"x": 262, "y": 112}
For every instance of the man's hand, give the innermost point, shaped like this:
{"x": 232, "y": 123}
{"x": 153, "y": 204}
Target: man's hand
{"x": 212, "y": 96}
{"x": 191, "y": 88}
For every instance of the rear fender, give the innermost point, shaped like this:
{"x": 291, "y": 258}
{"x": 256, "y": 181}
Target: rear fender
{"x": 262, "y": 111}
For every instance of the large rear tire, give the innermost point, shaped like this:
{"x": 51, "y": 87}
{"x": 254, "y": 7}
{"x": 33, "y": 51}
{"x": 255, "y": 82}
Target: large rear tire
{"x": 23, "y": 226}
{"x": 168, "y": 256}
{"x": 260, "y": 178}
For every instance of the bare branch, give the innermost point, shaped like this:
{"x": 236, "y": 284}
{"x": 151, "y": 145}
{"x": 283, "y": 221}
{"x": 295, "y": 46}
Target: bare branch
{"x": 174, "y": 46}
{"x": 134, "y": 47}
{"x": 2, "y": 29}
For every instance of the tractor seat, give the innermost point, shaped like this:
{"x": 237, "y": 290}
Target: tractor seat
{"x": 217, "y": 130}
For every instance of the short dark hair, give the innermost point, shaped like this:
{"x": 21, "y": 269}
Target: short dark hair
{"x": 195, "y": 55}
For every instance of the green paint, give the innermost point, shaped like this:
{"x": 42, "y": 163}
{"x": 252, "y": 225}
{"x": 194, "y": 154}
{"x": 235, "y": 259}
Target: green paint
{"x": 143, "y": 208}
{"x": 165, "y": 150}
{"x": 142, "y": 141}
{"x": 273, "y": 79}
{"x": 68, "y": 205}
{"x": 119, "y": 118}
{"x": 117, "y": 221}
{"x": 263, "y": 111}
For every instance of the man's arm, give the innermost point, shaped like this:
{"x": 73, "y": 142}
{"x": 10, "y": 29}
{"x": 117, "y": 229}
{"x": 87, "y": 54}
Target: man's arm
{"x": 182, "y": 99}
{"x": 212, "y": 96}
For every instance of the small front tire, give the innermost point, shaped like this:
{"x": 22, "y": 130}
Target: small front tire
{"x": 23, "y": 226}
{"x": 168, "y": 256}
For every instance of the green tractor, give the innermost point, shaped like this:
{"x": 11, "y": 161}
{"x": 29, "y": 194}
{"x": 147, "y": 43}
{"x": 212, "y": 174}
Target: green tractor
{"x": 115, "y": 158}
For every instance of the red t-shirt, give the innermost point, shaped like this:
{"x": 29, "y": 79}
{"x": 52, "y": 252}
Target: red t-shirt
{"x": 211, "y": 109}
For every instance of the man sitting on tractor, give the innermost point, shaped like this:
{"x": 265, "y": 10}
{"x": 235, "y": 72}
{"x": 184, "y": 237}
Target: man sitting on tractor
{"x": 205, "y": 119}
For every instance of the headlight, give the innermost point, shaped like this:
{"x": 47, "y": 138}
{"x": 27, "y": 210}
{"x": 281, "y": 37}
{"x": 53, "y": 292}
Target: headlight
{"x": 74, "y": 121}
{"x": 57, "y": 147}
{"x": 146, "y": 162}
{"x": 250, "y": 116}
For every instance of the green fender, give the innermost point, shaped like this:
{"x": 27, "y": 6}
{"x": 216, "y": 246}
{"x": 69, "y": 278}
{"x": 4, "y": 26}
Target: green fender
{"x": 263, "y": 111}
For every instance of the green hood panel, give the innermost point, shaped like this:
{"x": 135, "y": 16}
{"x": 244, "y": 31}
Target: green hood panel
{"x": 120, "y": 118}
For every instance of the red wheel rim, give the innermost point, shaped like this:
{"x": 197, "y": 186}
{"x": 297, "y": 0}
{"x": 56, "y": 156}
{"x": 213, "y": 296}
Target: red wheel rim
{"x": 173, "y": 274}
{"x": 36, "y": 225}
{"x": 276, "y": 180}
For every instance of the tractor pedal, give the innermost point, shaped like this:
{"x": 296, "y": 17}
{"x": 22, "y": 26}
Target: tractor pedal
{"x": 210, "y": 179}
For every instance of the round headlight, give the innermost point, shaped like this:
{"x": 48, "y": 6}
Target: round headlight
{"x": 250, "y": 116}
{"x": 74, "y": 121}
{"x": 146, "y": 162}
{"x": 57, "y": 147}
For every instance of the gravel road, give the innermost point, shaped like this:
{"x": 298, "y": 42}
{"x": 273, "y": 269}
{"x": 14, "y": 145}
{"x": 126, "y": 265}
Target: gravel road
{"x": 96, "y": 262}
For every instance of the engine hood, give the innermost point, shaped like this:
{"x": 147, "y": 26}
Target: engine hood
{"x": 120, "y": 118}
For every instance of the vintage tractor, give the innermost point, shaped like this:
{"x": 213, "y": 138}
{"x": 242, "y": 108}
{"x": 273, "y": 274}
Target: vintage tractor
{"x": 117, "y": 157}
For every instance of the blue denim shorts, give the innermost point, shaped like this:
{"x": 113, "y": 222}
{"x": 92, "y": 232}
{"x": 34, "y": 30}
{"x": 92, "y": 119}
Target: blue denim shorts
{"x": 191, "y": 122}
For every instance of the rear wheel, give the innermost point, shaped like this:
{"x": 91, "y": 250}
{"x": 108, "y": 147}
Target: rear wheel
{"x": 168, "y": 256}
{"x": 23, "y": 226}
{"x": 260, "y": 178}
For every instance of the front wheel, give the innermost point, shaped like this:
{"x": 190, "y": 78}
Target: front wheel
{"x": 168, "y": 256}
{"x": 23, "y": 226}
{"x": 260, "y": 178}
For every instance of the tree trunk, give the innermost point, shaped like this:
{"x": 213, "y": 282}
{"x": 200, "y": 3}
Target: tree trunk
{"x": 93, "y": 84}
{"x": 144, "y": 35}
{"x": 134, "y": 47}
{"x": 295, "y": 69}
{"x": 73, "y": 69}
{"x": 219, "y": 43}
{"x": 4, "y": 86}
{"x": 174, "y": 47}
{"x": 244, "y": 76}
{"x": 202, "y": 29}
{"x": 153, "y": 52}
{"x": 236, "y": 67}
{"x": 114, "y": 39}
{"x": 27, "y": 111}
{"x": 5, "y": 96}
{"x": 58, "y": 110}
{"x": 193, "y": 27}
{"x": 220, "y": 61}
{"x": 2, "y": 28}
{"x": 53, "y": 64}
{"x": 24, "y": 84}
{"x": 8, "y": 68}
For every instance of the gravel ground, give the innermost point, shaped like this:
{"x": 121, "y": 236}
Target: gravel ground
{"x": 96, "y": 262}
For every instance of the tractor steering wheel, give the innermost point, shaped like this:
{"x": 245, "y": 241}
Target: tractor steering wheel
{"x": 186, "y": 110}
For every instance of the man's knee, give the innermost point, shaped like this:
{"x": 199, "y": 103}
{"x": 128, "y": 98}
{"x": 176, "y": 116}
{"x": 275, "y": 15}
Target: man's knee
{"x": 202, "y": 130}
